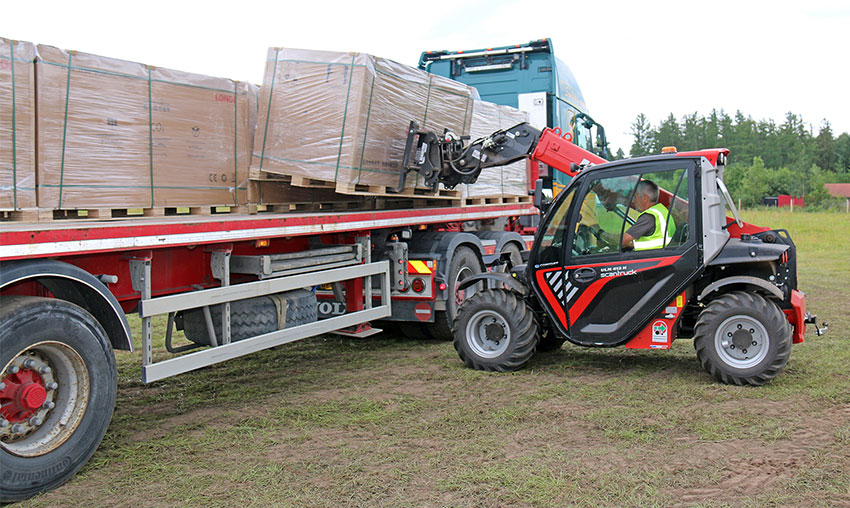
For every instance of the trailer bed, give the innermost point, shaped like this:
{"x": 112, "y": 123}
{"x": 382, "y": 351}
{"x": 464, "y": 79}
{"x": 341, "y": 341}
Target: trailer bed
{"x": 21, "y": 240}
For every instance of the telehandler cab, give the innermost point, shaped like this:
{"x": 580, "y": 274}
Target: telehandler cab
{"x": 592, "y": 280}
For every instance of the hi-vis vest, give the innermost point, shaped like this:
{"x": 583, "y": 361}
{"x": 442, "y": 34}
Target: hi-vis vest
{"x": 662, "y": 235}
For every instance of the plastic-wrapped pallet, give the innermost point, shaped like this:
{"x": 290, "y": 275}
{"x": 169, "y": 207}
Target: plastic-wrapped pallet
{"x": 118, "y": 134}
{"x": 501, "y": 181}
{"x": 17, "y": 125}
{"x": 342, "y": 118}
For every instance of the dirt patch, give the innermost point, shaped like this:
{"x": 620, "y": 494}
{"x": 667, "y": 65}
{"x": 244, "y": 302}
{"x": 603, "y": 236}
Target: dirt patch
{"x": 745, "y": 468}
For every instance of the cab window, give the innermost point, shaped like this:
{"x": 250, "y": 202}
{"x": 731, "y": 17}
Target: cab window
{"x": 603, "y": 213}
{"x": 552, "y": 243}
{"x": 645, "y": 211}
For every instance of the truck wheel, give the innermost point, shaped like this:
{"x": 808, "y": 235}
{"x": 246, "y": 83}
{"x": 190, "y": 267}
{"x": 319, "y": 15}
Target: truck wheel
{"x": 495, "y": 330}
{"x": 742, "y": 339}
{"x": 58, "y": 392}
{"x": 252, "y": 317}
{"x": 465, "y": 264}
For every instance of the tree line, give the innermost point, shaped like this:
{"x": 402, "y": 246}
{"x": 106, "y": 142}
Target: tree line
{"x": 766, "y": 159}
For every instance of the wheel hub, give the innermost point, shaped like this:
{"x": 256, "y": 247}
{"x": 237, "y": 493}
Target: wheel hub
{"x": 742, "y": 341}
{"x": 494, "y": 332}
{"x": 488, "y": 333}
{"x": 22, "y": 395}
{"x": 28, "y": 392}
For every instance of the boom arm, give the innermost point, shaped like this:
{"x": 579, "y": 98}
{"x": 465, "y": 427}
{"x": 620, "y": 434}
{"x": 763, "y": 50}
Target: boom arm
{"x": 446, "y": 159}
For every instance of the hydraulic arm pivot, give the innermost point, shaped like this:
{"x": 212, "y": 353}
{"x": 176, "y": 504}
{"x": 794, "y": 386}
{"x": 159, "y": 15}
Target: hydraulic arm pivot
{"x": 446, "y": 159}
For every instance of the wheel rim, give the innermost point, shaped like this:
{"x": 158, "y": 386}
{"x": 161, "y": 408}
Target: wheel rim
{"x": 461, "y": 295}
{"x": 45, "y": 391}
{"x": 488, "y": 334}
{"x": 741, "y": 341}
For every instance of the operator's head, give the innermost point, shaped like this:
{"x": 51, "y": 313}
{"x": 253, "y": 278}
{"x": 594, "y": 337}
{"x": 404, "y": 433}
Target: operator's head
{"x": 646, "y": 195}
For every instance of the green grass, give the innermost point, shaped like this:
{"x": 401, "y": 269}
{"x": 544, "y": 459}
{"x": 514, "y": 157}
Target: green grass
{"x": 387, "y": 421}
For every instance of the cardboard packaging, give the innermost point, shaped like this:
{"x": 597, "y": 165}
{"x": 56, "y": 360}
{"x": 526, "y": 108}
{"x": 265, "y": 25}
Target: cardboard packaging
{"x": 118, "y": 134}
{"x": 17, "y": 125}
{"x": 343, "y": 117}
{"x": 501, "y": 181}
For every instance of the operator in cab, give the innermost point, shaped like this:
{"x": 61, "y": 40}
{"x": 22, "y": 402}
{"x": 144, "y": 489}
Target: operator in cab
{"x": 653, "y": 228}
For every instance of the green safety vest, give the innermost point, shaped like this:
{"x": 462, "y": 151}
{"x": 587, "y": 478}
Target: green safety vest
{"x": 662, "y": 235}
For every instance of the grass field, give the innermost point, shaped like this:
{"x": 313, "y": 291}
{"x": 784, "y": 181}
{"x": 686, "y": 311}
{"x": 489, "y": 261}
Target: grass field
{"x": 389, "y": 421}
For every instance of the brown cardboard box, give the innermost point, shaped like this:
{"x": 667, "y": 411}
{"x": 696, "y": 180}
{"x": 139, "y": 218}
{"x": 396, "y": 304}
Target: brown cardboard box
{"x": 118, "y": 134}
{"x": 501, "y": 181}
{"x": 17, "y": 138}
{"x": 343, "y": 117}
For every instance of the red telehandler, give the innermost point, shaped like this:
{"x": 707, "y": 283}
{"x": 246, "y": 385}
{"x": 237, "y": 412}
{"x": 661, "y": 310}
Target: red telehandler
{"x": 731, "y": 286}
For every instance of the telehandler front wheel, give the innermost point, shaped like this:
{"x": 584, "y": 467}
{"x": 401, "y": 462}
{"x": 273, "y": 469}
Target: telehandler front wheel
{"x": 495, "y": 330}
{"x": 742, "y": 339}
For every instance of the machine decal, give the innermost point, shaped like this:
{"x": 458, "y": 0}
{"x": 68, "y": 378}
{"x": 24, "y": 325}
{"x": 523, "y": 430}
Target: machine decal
{"x": 618, "y": 269}
{"x": 659, "y": 332}
{"x": 543, "y": 281}
{"x": 418, "y": 267}
{"x": 560, "y": 285}
{"x": 560, "y": 293}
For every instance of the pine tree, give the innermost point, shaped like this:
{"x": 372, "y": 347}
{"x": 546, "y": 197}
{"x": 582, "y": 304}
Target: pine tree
{"x": 825, "y": 156}
{"x": 643, "y": 134}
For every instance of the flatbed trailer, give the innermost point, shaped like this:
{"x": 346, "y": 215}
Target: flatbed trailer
{"x": 66, "y": 285}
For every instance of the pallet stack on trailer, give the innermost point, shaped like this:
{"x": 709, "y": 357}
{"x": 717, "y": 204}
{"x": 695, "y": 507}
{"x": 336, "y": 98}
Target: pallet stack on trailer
{"x": 88, "y": 136}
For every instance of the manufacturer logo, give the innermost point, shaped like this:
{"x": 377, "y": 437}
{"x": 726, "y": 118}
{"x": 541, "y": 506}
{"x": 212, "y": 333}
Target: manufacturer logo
{"x": 220, "y": 97}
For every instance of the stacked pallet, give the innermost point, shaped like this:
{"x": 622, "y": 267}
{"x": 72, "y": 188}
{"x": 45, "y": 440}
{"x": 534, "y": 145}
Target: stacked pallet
{"x": 90, "y": 136}
{"x": 17, "y": 127}
{"x": 110, "y": 137}
{"x": 339, "y": 120}
{"x": 503, "y": 183}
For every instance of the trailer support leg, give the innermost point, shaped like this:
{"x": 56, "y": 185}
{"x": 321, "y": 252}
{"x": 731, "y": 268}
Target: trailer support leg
{"x": 140, "y": 270}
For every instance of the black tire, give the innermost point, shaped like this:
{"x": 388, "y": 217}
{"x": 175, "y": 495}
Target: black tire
{"x": 742, "y": 339}
{"x": 495, "y": 330}
{"x": 36, "y": 333}
{"x": 464, "y": 264}
{"x": 252, "y": 317}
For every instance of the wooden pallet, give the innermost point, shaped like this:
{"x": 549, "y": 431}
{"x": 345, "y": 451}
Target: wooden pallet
{"x": 296, "y": 181}
{"x": 20, "y": 215}
{"x": 99, "y": 214}
{"x": 496, "y": 200}
{"x": 352, "y": 189}
{"x": 409, "y": 192}
{"x": 326, "y": 206}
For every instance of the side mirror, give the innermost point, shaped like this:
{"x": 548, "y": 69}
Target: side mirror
{"x": 542, "y": 200}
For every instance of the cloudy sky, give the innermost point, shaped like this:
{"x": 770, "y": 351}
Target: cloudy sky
{"x": 655, "y": 57}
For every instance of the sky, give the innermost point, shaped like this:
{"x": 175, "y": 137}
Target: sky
{"x": 764, "y": 58}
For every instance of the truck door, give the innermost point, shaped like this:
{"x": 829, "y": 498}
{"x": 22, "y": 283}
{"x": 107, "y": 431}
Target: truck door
{"x": 607, "y": 292}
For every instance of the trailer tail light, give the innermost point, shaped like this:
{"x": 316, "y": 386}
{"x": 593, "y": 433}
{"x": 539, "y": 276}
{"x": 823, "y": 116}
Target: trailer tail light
{"x": 262, "y": 243}
{"x": 443, "y": 286}
{"x": 418, "y": 285}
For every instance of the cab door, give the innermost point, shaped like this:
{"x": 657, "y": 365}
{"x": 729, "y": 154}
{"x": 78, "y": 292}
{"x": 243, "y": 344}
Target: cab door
{"x": 607, "y": 292}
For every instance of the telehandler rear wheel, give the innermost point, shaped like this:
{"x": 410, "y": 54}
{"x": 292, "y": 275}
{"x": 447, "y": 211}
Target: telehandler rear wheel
{"x": 743, "y": 339}
{"x": 495, "y": 330}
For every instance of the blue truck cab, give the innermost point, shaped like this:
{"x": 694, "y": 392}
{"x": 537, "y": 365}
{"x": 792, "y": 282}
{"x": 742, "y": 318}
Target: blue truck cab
{"x": 528, "y": 77}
